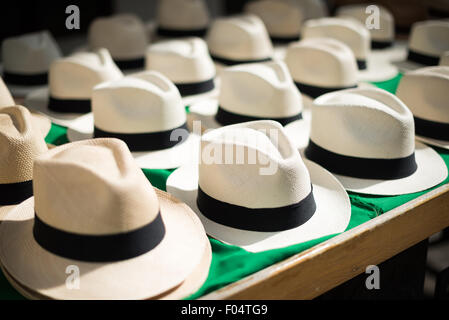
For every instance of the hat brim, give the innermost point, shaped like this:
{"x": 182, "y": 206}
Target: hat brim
{"x": 213, "y": 94}
{"x": 434, "y": 142}
{"x": 377, "y": 70}
{"x": 143, "y": 277}
{"x": 171, "y": 158}
{"x": 38, "y": 101}
{"x": 407, "y": 65}
{"x": 204, "y": 111}
{"x": 431, "y": 171}
{"x": 332, "y": 214}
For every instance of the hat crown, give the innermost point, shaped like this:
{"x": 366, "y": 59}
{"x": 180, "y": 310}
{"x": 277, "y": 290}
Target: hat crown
{"x": 93, "y": 187}
{"x": 349, "y": 31}
{"x": 5, "y": 96}
{"x": 142, "y": 103}
{"x": 385, "y": 32}
{"x": 20, "y": 143}
{"x": 182, "y": 60}
{"x": 183, "y": 14}
{"x": 322, "y": 62}
{"x": 424, "y": 91}
{"x": 430, "y": 37}
{"x": 241, "y": 37}
{"x": 123, "y": 35}
{"x": 30, "y": 53}
{"x": 262, "y": 144}
{"x": 280, "y": 18}
{"x": 260, "y": 90}
{"x": 74, "y": 77}
{"x": 363, "y": 123}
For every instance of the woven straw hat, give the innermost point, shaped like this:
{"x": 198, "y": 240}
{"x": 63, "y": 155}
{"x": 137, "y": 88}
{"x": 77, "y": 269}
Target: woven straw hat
{"x": 129, "y": 241}
{"x": 146, "y": 111}
{"x": 21, "y": 141}
{"x": 26, "y": 61}
{"x": 366, "y": 137}
{"x": 71, "y": 82}
{"x": 444, "y": 59}
{"x": 424, "y": 91}
{"x": 241, "y": 204}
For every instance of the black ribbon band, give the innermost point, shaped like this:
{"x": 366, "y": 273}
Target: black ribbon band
{"x": 14, "y": 193}
{"x": 263, "y": 219}
{"x": 38, "y": 79}
{"x": 315, "y": 92}
{"x": 138, "y": 63}
{"x": 69, "y": 105}
{"x": 188, "y": 89}
{"x": 230, "y": 62}
{"x": 283, "y": 40}
{"x": 363, "y": 168}
{"x": 150, "y": 141}
{"x": 225, "y": 118}
{"x": 172, "y": 33}
{"x": 99, "y": 248}
{"x": 424, "y": 59}
{"x": 361, "y": 64}
{"x": 377, "y": 44}
{"x": 432, "y": 129}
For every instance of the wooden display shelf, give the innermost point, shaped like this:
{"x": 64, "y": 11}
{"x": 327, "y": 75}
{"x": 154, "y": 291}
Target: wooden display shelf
{"x": 337, "y": 260}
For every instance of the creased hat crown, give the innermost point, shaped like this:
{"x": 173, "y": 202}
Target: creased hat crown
{"x": 430, "y": 37}
{"x": 21, "y": 142}
{"x": 263, "y": 90}
{"x": 93, "y": 187}
{"x": 75, "y": 76}
{"x": 181, "y": 60}
{"x": 363, "y": 123}
{"x": 241, "y": 37}
{"x": 142, "y": 103}
{"x": 183, "y": 14}
{"x": 424, "y": 91}
{"x": 323, "y": 62}
{"x": 30, "y": 53}
{"x": 241, "y": 183}
{"x": 123, "y": 35}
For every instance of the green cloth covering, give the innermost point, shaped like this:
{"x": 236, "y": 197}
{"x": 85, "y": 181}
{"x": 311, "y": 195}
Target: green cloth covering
{"x": 231, "y": 263}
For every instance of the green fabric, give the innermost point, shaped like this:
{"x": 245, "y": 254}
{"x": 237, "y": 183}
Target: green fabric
{"x": 231, "y": 263}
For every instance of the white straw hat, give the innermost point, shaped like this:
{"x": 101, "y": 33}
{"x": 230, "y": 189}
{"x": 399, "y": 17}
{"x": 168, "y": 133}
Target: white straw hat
{"x": 311, "y": 9}
{"x": 427, "y": 42}
{"x": 321, "y": 65}
{"x": 424, "y": 91}
{"x": 241, "y": 204}
{"x": 444, "y": 59}
{"x": 257, "y": 91}
{"x": 357, "y": 37}
{"x": 366, "y": 137}
{"x": 71, "y": 82}
{"x": 124, "y": 35}
{"x": 187, "y": 63}
{"x": 94, "y": 209}
{"x": 239, "y": 39}
{"x": 181, "y": 18}
{"x": 146, "y": 111}
{"x": 21, "y": 141}
{"x": 26, "y": 61}
{"x": 282, "y": 19}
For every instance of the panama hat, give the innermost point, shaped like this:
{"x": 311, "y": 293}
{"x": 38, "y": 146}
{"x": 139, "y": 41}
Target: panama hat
{"x": 321, "y": 65}
{"x": 146, "y": 111}
{"x": 311, "y": 9}
{"x": 180, "y": 18}
{"x": 21, "y": 141}
{"x": 241, "y": 204}
{"x": 366, "y": 137}
{"x": 124, "y": 35}
{"x": 187, "y": 63}
{"x": 71, "y": 82}
{"x": 357, "y": 37}
{"x": 239, "y": 39}
{"x": 424, "y": 91}
{"x": 282, "y": 19}
{"x": 444, "y": 59}
{"x": 129, "y": 241}
{"x": 427, "y": 41}
{"x": 26, "y": 60}
{"x": 258, "y": 91}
